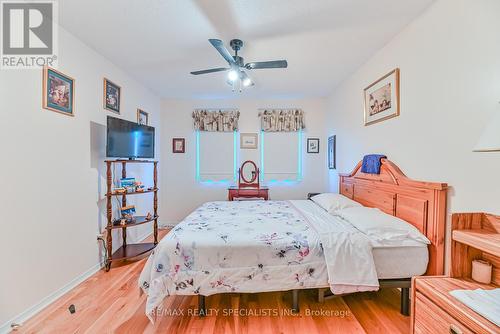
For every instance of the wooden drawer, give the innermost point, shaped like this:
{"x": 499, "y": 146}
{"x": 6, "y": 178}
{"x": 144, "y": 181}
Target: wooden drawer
{"x": 430, "y": 319}
{"x": 347, "y": 190}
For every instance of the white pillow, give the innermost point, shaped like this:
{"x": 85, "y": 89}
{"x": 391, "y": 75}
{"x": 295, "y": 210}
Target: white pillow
{"x": 381, "y": 226}
{"x": 332, "y": 202}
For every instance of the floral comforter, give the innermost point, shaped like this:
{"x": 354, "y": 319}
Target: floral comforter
{"x": 258, "y": 246}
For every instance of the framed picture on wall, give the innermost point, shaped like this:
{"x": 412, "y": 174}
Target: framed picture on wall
{"x": 382, "y": 98}
{"x": 142, "y": 117}
{"x": 111, "y": 96}
{"x": 312, "y": 145}
{"x": 332, "y": 159}
{"x": 58, "y": 92}
{"x": 178, "y": 145}
{"x": 248, "y": 140}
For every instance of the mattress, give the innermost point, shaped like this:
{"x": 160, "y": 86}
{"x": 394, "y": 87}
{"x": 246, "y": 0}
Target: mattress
{"x": 400, "y": 262}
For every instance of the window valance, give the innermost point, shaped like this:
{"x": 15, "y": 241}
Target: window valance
{"x": 216, "y": 120}
{"x": 282, "y": 120}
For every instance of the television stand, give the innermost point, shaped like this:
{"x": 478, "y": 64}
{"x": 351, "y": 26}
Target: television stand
{"x": 127, "y": 251}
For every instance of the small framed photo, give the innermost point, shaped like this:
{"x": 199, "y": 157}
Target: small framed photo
{"x": 382, "y": 98}
{"x": 332, "y": 159}
{"x": 178, "y": 145}
{"x": 248, "y": 140}
{"x": 312, "y": 145}
{"x": 58, "y": 92}
{"x": 112, "y": 96}
{"x": 142, "y": 117}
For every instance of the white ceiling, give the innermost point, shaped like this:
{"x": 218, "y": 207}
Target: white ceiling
{"x": 159, "y": 42}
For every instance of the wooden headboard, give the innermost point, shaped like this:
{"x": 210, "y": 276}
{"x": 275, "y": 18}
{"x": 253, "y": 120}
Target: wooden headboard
{"x": 422, "y": 204}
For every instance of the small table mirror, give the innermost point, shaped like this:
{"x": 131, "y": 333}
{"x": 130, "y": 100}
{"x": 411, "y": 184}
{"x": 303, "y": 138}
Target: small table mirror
{"x": 248, "y": 175}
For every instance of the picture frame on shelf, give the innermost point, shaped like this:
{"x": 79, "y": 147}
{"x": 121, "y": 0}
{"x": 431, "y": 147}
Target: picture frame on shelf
{"x": 111, "y": 96}
{"x": 178, "y": 145}
{"x": 312, "y": 145}
{"x": 249, "y": 140}
{"x": 142, "y": 117}
{"x": 332, "y": 159}
{"x": 128, "y": 210}
{"x": 382, "y": 99}
{"x": 58, "y": 92}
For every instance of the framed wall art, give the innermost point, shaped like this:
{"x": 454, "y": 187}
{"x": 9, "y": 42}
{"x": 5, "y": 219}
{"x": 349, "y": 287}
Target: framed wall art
{"x": 248, "y": 140}
{"x": 312, "y": 145}
{"x": 112, "y": 96}
{"x": 332, "y": 159}
{"x": 178, "y": 145}
{"x": 58, "y": 92}
{"x": 382, "y": 98}
{"x": 142, "y": 117}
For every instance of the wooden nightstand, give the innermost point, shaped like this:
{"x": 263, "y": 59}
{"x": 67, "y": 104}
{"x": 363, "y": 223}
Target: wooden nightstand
{"x": 434, "y": 310}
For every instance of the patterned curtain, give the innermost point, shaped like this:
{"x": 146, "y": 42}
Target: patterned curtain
{"x": 282, "y": 120}
{"x": 216, "y": 120}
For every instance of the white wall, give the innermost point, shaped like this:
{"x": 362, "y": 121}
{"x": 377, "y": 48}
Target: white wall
{"x": 53, "y": 178}
{"x": 450, "y": 87}
{"x": 181, "y": 193}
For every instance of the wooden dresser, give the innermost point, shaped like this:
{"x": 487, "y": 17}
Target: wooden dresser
{"x": 248, "y": 184}
{"x": 434, "y": 310}
{"x": 261, "y": 193}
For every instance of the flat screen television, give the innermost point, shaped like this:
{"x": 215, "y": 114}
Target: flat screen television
{"x": 129, "y": 140}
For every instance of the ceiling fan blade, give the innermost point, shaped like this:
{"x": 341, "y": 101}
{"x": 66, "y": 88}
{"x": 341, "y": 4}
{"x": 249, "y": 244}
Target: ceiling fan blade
{"x": 267, "y": 64}
{"x": 217, "y": 43}
{"x": 218, "y": 69}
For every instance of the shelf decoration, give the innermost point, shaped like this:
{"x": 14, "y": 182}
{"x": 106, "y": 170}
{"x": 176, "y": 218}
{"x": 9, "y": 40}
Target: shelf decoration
{"x": 282, "y": 120}
{"x": 216, "y": 120}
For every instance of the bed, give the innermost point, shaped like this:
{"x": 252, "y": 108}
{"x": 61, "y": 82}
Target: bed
{"x": 259, "y": 246}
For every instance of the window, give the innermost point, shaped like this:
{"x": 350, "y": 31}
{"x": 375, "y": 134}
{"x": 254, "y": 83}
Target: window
{"x": 281, "y": 156}
{"x": 216, "y": 156}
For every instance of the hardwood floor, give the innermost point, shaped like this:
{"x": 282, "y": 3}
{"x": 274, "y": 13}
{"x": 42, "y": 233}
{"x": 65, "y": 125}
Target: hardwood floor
{"x": 110, "y": 302}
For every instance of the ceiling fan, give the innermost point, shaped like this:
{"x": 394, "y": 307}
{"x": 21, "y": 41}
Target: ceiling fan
{"x": 236, "y": 74}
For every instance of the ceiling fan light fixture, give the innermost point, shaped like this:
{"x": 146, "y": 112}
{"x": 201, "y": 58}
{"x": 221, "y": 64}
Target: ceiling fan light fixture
{"x": 236, "y": 75}
{"x": 233, "y": 75}
{"x": 247, "y": 82}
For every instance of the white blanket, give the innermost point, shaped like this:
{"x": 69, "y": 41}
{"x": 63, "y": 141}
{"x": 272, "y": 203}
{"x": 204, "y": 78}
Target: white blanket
{"x": 258, "y": 246}
{"x": 347, "y": 251}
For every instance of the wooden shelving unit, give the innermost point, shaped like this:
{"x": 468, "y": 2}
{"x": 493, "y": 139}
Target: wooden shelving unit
{"x": 132, "y": 193}
{"x": 485, "y": 241}
{"x": 132, "y": 250}
{"x": 139, "y": 220}
{"x": 474, "y": 236}
{"x": 127, "y": 250}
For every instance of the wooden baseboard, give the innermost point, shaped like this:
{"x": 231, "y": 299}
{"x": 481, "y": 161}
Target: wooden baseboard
{"x": 25, "y": 315}
{"x": 30, "y": 312}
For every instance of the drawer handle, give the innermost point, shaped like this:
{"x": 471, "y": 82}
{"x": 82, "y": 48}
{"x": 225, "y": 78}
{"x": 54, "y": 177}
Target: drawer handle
{"x": 455, "y": 330}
